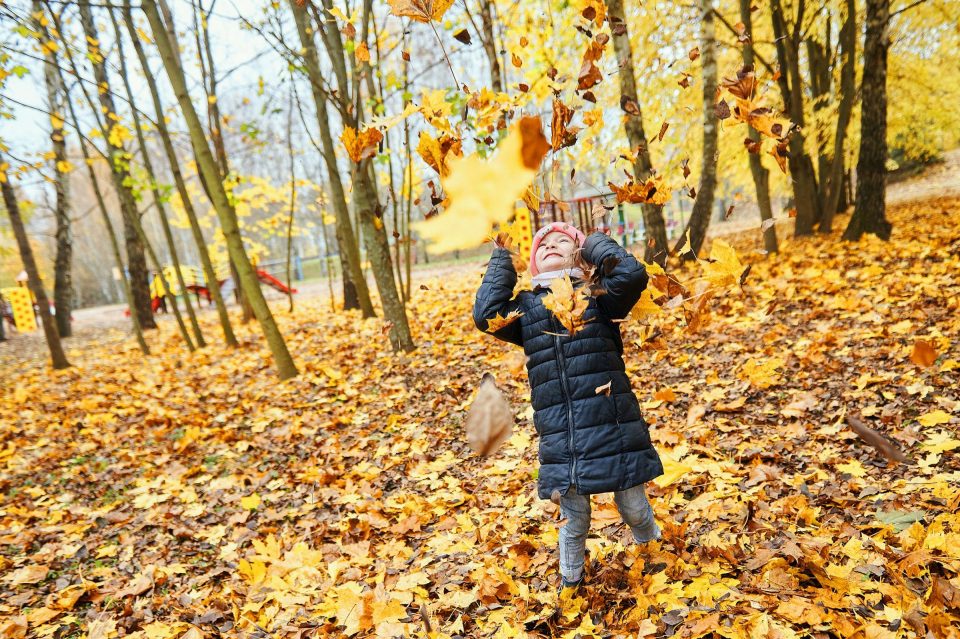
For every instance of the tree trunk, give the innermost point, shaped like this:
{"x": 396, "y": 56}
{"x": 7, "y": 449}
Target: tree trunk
{"x": 208, "y": 75}
{"x": 656, "y": 229}
{"x": 62, "y": 274}
{"x": 703, "y": 205}
{"x": 136, "y": 262}
{"x": 489, "y": 40}
{"x": 161, "y": 207}
{"x": 33, "y": 274}
{"x": 801, "y": 165}
{"x": 833, "y": 181}
{"x": 355, "y": 291}
{"x": 108, "y": 225}
{"x": 213, "y": 286}
{"x": 761, "y": 176}
{"x": 820, "y": 72}
{"x": 228, "y": 220}
{"x": 366, "y": 202}
{"x": 869, "y": 214}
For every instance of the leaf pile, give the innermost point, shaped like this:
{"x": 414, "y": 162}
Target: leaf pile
{"x": 192, "y": 496}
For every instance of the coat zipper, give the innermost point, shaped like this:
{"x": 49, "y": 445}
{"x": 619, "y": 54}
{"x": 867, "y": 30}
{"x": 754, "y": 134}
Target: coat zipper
{"x": 566, "y": 396}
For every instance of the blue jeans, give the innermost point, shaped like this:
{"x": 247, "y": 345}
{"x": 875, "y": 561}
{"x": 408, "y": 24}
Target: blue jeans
{"x": 634, "y": 508}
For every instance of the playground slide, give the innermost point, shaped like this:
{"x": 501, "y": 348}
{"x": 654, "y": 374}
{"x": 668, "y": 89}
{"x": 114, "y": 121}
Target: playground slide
{"x": 270, "y": 280}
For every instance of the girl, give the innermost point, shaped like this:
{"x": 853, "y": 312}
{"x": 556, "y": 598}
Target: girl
{"x": 592, "y": 436}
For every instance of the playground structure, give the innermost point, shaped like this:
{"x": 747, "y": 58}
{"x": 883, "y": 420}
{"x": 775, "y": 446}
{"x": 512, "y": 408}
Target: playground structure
{"x": 16, "y": 306}
{"x": 196, "y": 283}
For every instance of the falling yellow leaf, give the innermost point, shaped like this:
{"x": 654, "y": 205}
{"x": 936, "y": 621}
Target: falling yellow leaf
{"x": 362, "y": 52}
{"x": 724, "y": 267}
{"x": 567, "y": 303}
{"x": 483, "y": 193}
{"x": 363, "y": 145}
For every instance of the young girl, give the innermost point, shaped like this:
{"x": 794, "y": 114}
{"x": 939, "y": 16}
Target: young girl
{"x": 592, "y": 436}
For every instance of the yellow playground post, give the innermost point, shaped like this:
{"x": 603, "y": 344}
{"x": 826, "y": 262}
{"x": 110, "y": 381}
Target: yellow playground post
{"x": 22, "y": 305}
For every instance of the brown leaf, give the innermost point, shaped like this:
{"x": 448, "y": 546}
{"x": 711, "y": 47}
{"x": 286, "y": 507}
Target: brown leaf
{"x": 729, "y": 212}
{"x": 923, "y": 354}
{"x": 605, "y": 389}
{"x": 886, "y": 448}
{"x": 462, "y": 36}
{"x": 694, "y": 53}
{"x": 684, "y": 81}
{"x": 362, "y": 146}
{"x": 722, "y": 109}
{"x": 420, "y": 10}
{"x": 140, "y": 584}
{"x": 653, "y": 191}
{"x": 561, "y": 136}
{"x": 534, "y": 144}
{"x": 663, "y": 131}
{"x": 590, "y": 74}
{"x": 489, "y": 421}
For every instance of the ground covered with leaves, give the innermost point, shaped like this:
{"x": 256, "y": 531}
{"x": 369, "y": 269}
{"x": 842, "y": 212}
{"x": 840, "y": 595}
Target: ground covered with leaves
{"x": 193, "y": 495}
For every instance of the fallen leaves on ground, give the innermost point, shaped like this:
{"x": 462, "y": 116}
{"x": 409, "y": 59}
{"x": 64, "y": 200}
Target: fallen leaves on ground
{"x": 125, "y": 479}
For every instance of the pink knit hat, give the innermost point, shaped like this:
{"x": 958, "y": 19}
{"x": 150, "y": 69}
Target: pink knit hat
{"x": 567, "y": 229}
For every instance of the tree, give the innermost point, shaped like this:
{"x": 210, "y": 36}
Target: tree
{"x": 56, "y": 94}
{"x": 355, "y": 291}
{"x": 113, "y": 131}
{"x": 869, "y": 214}
{"x": 761, "y": 176}
{"x": 703, "y": 204}
{"x": 57, "y": 355}
{"x": 788, "y": 37}
{"x": 365, "y": 197}
{"x": 656, "y": 229}
{"x": 158, "y": 200}
{"x": 213, "y": 286}
{"x": 167, "y": 44}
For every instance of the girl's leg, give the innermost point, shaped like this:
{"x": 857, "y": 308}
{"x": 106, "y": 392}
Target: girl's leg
{"x": 637, "y": 513}
{"x": 573, "y": 536}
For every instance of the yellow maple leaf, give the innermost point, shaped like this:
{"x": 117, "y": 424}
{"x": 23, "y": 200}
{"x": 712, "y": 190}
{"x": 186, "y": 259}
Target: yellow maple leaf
{"x": 762, "y": 374}
{"x": 935, "y": 418}
{"x": 724, "y": 267}
{"x": 362, "y": 52}
{"x": 360, "y": 146}
{"x": 420, "y": 10}
{"x": 497, "y": 322}
{"x": 483, "y": 193}
{"x": 645, "y": 307}
{"x": 852, "y": 467}
{"x": 566, "y": 303}
{"x": 250, "y": 502}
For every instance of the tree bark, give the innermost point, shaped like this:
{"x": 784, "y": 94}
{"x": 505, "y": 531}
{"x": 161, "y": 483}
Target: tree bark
{"x": 160, "y": 205}
{"x": 355, "y": 291}
{"x": 213, "y": 286}
{"x": 656, "y": 230}
{"x": 119, "y": 160}
{"x": 228, "y": 220}
{"x": 869, "y": 214}
{"x": 366, "y": 201}
{"x": 703, "y": 205}
{"x": 761, "y": 176}
{"x": 57, "y": 355}
{"x": 801, "y": 165}
{"x": 108, "y": 225}
{"x": 833, "y": 182}
{"x": 489, "y": 40}
{"x": 62, "y": 269}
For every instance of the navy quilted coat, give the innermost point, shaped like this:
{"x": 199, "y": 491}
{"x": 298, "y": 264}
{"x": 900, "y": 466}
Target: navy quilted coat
{"x": 593, "y": 441}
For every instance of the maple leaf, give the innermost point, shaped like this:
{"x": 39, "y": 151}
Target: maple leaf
{"x": 362, "y": 146}
{"x": 483, "y": 193}
{"x": 560, "y": 135}
{"x": 490, "y": 420}
{"x": 590, "y": 75}
{"x": 652, "y": 191}
{"x": 435, "y": 151}
{"x": 567, "y": 303}
{"x": 723, "y": 267}
{"x": 420, "y": 10}
{"x": 497, "y": 322}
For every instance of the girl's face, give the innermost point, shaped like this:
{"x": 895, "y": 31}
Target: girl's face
{"x": 556, "y": 251}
